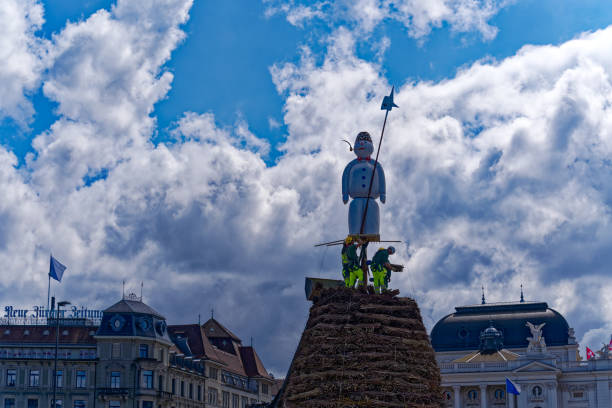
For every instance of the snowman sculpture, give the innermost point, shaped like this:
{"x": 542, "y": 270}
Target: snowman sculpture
{"x": 356, "y": 184}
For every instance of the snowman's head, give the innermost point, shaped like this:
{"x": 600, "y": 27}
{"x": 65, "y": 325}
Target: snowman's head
{"x": 363, "y": 145}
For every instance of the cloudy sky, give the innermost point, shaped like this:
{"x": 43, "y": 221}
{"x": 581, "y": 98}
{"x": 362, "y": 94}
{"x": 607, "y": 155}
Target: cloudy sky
{"x": 195, "y": 146}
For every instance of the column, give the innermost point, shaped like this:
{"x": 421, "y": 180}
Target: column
{"x": 457, "y": 396}
{"x": 592, "y": 398}
{"x": 510, "y": 398}
{"x": 603, "y": 393}
{"x": 483, "y": 396}
{"x": 521, "y": 399}
{"x": 552, "y": 395}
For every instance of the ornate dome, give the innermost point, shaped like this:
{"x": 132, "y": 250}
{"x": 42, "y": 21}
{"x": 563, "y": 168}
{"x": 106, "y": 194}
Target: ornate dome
{"x": 461, "y": 330}
{"x": 491, "y": 340}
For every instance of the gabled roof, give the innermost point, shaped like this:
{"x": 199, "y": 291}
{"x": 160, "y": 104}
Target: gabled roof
{"x": 252, "y": 363}
{"x": 536, "y": 366}
{"x": 214, "y": 329}
{"x": 133, "y": 306}
{"x": 41, "y": 335}
{"x": 198, "y": 343}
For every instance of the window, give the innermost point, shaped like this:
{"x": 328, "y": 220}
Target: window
{"x": 160, "y": 383}
{"x": 59, "y": 403}
{"x": 578, "y": 395}
{"x": 212, "y": 373}
{"x": 447, "y": 396}
{"x": 182, "y": 388}
{"x": 264, "y": 388}
{"x": 147, "y": 376}
{"x": 161, "y": 354}
{"x": 34, "y": 378}
{"x": 32, "y": 403}
{"x": 114, "y": 404}
{"x": 235, "y": 401}
{"x": 115, "y": 380}
{"x": 500, "y": 394}
{"x": 536, "y": 391}
{"x": 59, "y": 378}
{"x": 212, "y": 396}
{"x": 173, "y": 386}
{"x": 191, "y": 390}
{"x": 81, "y": 379}
{"x": 245, "y": 402}
{"x": 9, "y": 403}
{"x": 147, "y": 404}
{"x": 472, "y": 395}
{"x": 11, "y": 376}
{"x": 143, "y": 351}
{"x": 116, "y": 351}
{"x": 199, "y": 393}
{"x": 226, "y": 399}
{"x": 80, "y": 404}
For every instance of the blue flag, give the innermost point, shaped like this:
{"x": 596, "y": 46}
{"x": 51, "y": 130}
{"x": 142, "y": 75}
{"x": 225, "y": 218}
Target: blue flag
{"x": 512, "y": 388}
{"x": 56, "y": 269}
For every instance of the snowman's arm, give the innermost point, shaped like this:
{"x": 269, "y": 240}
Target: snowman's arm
{"x": 381, "y": 183}
{"x": 345, "y": 182}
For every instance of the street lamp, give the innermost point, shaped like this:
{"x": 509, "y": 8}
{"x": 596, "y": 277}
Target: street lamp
{"x": 59, "y": 304}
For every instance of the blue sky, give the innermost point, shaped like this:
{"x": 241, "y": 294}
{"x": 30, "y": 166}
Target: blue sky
{"x": 195, "y": 146}
{"x": 223, "y": 65}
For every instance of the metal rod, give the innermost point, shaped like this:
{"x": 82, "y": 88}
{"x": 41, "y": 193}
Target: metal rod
{"x": 55, "y": 360}
{"x": 365, "y": 212}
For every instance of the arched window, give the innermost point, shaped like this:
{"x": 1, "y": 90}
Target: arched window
{"x": 500, "y": 394}
{"x": 536, "y": 391}
{"x": 472, "y": 395}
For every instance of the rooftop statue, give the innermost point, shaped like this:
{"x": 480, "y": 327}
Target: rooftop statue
{"x": 536, "y": 341}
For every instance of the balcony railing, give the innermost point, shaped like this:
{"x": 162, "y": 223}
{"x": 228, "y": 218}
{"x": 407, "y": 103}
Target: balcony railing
{"x": 565, "y": 366}
{"x": 165, "y": 394}
{"x": 113, "y": 391}
{"x": 187, "y": 364}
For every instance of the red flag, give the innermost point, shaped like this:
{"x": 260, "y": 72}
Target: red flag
{"x": 589, "y": 353}
{"x": 610, "y": 345}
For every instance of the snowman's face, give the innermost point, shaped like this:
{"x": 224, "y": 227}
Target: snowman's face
{"x": 363, "y": 145}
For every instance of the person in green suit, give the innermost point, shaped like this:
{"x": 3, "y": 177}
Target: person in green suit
{"x": 381, "y": 268}
{"x": 351, "y": 270}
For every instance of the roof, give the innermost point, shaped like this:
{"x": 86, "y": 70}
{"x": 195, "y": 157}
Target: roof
{"x": 198, "y": 344}
{"x": 214, "y": 329}
{"x": 477, "y": 357}
{"x": 252, "y": 363}
{"x": 461, "y": 330}
{"x": 133, "y": 306}
{"x": 41, "y": 335}
{"x": 201, "y": 343}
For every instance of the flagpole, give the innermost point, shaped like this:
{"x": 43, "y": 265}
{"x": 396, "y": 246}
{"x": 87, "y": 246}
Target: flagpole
{"x": 48, "y": 293}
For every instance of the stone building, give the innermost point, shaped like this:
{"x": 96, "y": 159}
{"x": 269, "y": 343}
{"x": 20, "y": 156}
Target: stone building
{"x": 26, "y": 366}
{"x": 132, "y": 360}
{"x": 479, "y": 346}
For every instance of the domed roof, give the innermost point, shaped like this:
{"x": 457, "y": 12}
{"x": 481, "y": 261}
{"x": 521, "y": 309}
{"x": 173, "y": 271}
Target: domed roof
{"x": 131, "y": 317}
{"x": 461, "y": 330}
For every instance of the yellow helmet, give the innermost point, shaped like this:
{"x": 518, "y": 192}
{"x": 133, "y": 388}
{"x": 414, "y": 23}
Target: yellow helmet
{"x": 348, "y": 240}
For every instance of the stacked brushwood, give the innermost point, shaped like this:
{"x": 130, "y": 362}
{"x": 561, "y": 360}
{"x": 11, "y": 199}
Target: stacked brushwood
{"x": 362, "y": 350}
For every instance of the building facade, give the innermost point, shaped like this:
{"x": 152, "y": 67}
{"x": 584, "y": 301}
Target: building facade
{"x": 133, "y": 359}
{"x": 479, "y": 346}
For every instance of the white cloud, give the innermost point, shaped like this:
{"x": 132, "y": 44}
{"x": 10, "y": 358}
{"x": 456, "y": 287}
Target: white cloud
{"x": 22, "y": 55}
{"x": 499, "y": 176}
{"x": 419, "y": 17}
